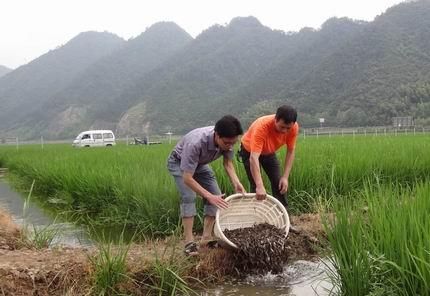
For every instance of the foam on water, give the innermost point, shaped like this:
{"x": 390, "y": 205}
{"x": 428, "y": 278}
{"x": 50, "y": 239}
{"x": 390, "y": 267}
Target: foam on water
{"x": 301, "y": 278}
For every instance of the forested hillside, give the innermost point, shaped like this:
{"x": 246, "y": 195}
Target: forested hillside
{"x": 350, "y": 72}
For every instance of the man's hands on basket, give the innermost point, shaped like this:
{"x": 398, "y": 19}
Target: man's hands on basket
{"x": 260, "y": 193}
{"x": 217, "y": 200}
{"x": 238, "y": 188}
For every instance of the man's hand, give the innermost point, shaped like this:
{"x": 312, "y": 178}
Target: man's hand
{"x": 260, "y": 193}
{"x": 238, "y": 188}
{"x": 218, "y": 201}
{"x": 283, "y": 185}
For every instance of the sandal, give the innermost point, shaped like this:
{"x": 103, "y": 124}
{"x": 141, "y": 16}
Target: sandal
{"x": 190, "y": 249}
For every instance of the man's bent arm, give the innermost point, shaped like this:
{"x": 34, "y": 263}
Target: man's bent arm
{"x": 289, "y": 160}
{"x": 197, "y": 188}
{"x": 231, "y": 172}
{"x": 255, "y": 169}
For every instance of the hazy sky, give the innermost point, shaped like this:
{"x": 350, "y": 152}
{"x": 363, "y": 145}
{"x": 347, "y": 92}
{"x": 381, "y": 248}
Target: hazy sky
{"x": 30, "y": 28}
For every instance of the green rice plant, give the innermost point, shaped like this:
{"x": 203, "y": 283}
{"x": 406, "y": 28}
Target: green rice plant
{"x": 336, "y": 166}
{"x": 381, "y": 242}
{"x": 27, "y": 204}
{"x": 349, "y": 268}
{"x": 131, "y": 184}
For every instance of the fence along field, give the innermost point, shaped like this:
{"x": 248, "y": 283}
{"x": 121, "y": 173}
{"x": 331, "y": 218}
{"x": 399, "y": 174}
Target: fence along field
{"x": 377, "y": 187}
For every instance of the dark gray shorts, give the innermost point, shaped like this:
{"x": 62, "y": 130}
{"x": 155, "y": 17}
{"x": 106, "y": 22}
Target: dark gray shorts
{"x": 205, "y": 177}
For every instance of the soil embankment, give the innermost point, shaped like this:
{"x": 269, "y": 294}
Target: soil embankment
{"x": 67, "y": 271}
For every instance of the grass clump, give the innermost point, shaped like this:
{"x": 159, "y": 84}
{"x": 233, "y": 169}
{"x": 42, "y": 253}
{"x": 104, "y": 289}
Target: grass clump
{"x": 167, "y": 274}
{"x": 39, "y": 237}
{"x": 109, "y": 268}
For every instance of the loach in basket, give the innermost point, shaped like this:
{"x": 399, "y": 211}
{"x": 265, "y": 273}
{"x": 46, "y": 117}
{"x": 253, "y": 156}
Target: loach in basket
{"x": 246, "y": 211}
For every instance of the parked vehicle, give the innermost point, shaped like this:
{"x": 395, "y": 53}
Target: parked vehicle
{"x": 95, "y": 138}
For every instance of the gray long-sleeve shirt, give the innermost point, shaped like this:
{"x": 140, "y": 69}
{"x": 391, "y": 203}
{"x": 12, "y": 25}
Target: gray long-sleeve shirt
{"x": 198, "y": 148}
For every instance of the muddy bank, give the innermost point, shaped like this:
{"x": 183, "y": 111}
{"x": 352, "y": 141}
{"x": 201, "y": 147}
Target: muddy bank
{"x": 10, "y": 234}
{"x": 47, "y": 272}
{"x": 68, "y": 271}
{"x": 25, "y": 271}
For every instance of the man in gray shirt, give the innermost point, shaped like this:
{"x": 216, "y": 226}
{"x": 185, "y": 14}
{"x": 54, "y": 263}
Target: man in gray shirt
{"x": 188, "y": 164}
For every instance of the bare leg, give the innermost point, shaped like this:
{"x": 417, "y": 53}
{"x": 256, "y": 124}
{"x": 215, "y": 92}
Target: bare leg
{"x": 187, "y": 223}
{"x": 208, "y": 227}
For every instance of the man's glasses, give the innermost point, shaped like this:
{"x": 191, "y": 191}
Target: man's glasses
{"x": 227, "y": 143}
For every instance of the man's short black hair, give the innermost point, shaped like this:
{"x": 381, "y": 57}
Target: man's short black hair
{"x": 228, "y": 127}
{"x": 287, "y": 113}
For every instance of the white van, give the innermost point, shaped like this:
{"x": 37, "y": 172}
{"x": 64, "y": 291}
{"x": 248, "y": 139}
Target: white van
{"x": 95, "y": 138}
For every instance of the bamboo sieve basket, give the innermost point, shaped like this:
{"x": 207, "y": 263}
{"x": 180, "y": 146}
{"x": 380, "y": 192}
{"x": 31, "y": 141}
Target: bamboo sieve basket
{"x": 246, "y": 211}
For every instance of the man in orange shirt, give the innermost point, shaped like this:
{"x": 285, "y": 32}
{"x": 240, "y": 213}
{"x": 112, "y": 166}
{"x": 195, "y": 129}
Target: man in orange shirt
{"x": 259, "y": 145}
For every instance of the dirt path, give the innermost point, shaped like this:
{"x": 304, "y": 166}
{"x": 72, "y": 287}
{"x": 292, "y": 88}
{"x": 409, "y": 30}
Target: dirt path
{"x": 67, "y": 271}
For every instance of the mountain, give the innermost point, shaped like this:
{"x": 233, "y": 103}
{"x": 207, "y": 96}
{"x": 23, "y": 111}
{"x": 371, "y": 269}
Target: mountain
{"x": 350, "y": 72}
{"x": 4, "y": 70}
{"x": 363, "y": 82}
{"x": 353, "y": 73}
{"x": 92, "y": 99}
{"x": 25, "y": 89}
{"x": 315, "y": 46}
{"x": 179, "y": 94}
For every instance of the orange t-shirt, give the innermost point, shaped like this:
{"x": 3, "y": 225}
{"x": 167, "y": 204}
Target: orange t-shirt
{"x": 262, "y": 137}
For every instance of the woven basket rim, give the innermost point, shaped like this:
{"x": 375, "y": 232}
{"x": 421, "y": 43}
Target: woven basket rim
{"x": 220, "y": 233}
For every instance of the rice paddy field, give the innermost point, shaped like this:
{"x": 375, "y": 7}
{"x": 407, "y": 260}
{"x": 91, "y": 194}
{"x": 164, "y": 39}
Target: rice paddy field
{"x": 377, "y": 188}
